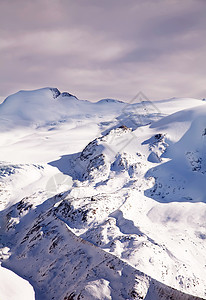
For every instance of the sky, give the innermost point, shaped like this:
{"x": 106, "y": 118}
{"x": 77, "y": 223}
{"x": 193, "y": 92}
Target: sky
{"x": 104, "y": 49}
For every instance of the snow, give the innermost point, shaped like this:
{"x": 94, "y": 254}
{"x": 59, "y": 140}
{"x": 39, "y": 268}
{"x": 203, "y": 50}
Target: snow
{"x": 102, "y": 200}
{"x": 14, "y": 287}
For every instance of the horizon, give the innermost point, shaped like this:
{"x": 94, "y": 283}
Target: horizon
{"x": 140, "y": 97}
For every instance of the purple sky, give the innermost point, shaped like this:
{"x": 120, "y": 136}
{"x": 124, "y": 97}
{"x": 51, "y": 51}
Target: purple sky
{"x": 98, "y": 49}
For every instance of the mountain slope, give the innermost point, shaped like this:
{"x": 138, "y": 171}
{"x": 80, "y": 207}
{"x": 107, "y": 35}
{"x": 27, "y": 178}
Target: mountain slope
{"x": 104, "y": 200}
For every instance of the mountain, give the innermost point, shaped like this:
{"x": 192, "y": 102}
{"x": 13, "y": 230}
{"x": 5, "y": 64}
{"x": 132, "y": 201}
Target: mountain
{"x": 103, "y": 200}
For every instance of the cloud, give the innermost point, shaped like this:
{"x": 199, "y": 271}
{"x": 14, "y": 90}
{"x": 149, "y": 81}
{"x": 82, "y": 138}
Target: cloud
{"x": 98, "y": 49}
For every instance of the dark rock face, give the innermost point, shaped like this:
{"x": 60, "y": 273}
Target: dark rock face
{"x": 55, "y": 92}
{"x": 66, "y": 94}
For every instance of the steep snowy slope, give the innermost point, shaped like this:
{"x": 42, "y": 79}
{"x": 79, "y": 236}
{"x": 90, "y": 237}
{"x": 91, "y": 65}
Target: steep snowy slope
{"x": 104, "y": 200}
{"x": 183, "y": 176}
{"x": 130, "y": 223}
{"x": 61, "y": 265}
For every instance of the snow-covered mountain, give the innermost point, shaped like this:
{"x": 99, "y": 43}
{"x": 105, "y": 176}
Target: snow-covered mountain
{"x": 103, "y": 200}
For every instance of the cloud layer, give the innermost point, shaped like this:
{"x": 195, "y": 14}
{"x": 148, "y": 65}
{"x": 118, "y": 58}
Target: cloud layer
{"x": 97, "y": 49}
